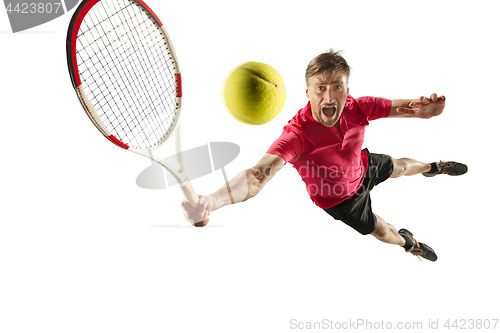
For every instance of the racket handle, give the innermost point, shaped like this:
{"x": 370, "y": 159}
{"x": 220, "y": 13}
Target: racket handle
{"x": 189, "y": 193}
{"x": 191, "y": 197}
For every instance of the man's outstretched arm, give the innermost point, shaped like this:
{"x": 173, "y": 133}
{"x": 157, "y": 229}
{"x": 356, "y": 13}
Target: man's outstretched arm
{"x": 244, "y": 186}
{"x": 418, "y": 108}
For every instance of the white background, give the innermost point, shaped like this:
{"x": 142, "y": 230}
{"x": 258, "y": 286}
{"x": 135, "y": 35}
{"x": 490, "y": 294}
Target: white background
{"x": 83, "y": 249}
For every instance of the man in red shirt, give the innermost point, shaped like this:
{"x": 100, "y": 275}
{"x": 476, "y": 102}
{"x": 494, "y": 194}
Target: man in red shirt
{"x": 323, "y": 142}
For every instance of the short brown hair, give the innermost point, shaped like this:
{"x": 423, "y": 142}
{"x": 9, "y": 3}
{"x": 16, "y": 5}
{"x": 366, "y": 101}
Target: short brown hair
{"x": 328, "y": 61}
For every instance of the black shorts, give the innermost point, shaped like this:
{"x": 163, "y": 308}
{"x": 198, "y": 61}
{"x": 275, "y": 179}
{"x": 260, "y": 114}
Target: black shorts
{"x": 356, "y": 211}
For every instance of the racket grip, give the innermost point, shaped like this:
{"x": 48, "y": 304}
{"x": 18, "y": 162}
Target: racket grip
{"x": 189, "y": 193}
{"x": 192, "y": 198}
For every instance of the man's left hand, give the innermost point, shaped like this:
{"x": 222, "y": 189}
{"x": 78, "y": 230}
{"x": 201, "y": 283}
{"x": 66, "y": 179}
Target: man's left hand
{"x": 424, "y": 107}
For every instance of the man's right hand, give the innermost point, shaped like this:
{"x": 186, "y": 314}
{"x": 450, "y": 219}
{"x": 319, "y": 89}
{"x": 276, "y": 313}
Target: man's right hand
{"x": 199, "y": 216}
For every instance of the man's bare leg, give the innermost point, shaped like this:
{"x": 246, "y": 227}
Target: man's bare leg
{"x": 386, "y": 233}
{"x": 408, "y": 167}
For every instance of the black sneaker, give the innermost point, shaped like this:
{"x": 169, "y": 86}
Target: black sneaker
{"x": 447, "y": 168}
{"x": 416, "y": 248}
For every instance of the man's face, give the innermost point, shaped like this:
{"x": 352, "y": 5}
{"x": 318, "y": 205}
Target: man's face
{"x": 328, "y": 92}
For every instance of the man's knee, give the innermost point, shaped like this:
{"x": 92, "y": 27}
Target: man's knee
{"x": 381, "y": 231}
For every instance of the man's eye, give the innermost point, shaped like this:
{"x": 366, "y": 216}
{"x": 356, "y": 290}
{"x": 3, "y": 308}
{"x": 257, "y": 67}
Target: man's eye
{"x": 321, "y": 88}
{"x": 338, "y": 86}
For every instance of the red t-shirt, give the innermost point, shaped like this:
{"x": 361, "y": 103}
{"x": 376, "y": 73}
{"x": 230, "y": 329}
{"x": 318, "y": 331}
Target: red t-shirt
{"x": 332, "y": 166}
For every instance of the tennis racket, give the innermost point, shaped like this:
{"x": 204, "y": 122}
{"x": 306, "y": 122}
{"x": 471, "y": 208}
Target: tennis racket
{"x": 126, "y": 75}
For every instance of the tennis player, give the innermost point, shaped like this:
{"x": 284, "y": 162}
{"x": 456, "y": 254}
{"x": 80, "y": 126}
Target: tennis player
{"x": 323, "y": 142}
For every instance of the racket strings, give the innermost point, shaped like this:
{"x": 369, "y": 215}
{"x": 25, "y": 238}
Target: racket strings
{"x": 133, "y": 71}
{"x": 128, "y": 73}
{"x": 137, "y": 73}
{"x": 154, "y": 58}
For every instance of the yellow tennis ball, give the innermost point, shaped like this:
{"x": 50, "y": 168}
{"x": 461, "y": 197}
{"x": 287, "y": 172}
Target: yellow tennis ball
{"x": 255, "y": 93}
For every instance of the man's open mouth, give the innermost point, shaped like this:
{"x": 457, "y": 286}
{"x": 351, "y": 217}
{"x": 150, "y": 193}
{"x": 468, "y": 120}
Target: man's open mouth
{"x": 329, "y": 111}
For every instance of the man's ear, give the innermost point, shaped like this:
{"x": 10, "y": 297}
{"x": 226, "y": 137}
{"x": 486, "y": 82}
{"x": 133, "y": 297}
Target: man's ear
{"x": 307, "y": 92}
{"x": 347, "y": 90}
